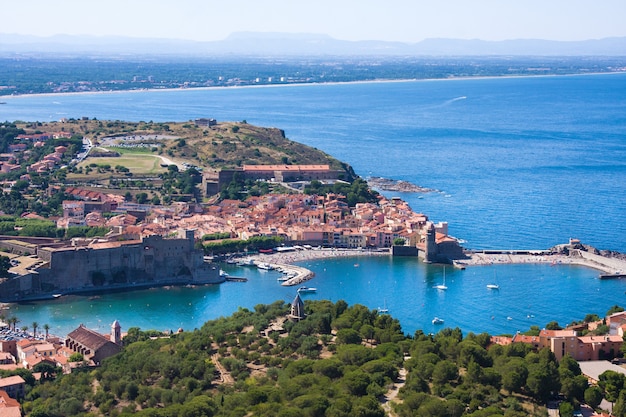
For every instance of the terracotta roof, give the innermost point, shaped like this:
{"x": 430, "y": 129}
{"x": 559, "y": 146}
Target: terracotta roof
{"x": 11, "y": 380}
{"x": 292, "y": 168}
{"x": 88, "y": 338}
{"x": 8, "y": 406}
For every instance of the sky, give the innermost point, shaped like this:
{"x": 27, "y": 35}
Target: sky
{"x": 407, "y": 21}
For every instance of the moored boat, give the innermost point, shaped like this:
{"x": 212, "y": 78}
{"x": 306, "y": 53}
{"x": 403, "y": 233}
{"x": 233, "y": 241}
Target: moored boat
{"x": 437, "y": 320}
{"x": 306, "y": 289}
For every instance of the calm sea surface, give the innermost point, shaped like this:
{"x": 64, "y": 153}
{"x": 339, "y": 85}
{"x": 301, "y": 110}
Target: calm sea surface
{"x": 519, "y": 163}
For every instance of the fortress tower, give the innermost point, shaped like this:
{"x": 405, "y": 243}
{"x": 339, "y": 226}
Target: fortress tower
{"x": 430, "y": 245}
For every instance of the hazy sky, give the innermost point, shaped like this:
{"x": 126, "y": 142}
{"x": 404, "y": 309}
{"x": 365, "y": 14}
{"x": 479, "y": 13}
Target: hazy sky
{"x": 389, "y": 20}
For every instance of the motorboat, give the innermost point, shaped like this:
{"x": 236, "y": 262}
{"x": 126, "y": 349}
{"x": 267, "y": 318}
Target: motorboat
{"x": 307, "y": 289}
{"x": 437, "y": 320}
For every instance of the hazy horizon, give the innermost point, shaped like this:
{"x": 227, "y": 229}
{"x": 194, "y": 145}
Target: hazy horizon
{"x": 405, "y": 21}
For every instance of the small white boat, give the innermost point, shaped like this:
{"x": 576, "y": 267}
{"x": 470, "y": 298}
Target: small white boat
{"x": 494, "y": 285}
{"x": 442, "y": 286}
{"x": 264, "y": 266}
{"x": 383, "y": 310}
{"x": 246, "y": 262}
{"x": 56, "y": 295}
{"x": 437, "y": 320}
{"x": 223, "y": 273}
{"x": 306, "y": 289}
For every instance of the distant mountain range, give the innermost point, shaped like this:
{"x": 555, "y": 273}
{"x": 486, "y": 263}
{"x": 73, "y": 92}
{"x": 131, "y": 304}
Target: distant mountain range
{"x": 286, "y": 44}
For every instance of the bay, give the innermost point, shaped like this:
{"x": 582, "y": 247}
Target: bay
{"x": 520, "y": 163}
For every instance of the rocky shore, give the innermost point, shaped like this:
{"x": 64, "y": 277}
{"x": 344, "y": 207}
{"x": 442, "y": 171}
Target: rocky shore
{"x": 386, "y": 184}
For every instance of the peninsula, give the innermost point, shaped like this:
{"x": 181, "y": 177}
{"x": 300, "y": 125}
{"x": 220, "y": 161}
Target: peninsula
{"x": 149, "y": 202}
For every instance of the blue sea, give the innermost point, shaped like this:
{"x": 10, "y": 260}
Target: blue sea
{"x": 518, "y": 163}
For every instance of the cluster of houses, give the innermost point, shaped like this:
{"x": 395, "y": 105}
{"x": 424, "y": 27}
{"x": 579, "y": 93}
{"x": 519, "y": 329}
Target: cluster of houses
{"x": 49, "y": 162}
{"x": 297, "y": 218}
{"x": 27, "y": 353}
{"x": 9, "y": 162}
{"x": 569, "y": 342}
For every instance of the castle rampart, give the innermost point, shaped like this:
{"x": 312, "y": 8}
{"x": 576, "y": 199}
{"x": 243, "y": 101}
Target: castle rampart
{"x": 152, "y": 261}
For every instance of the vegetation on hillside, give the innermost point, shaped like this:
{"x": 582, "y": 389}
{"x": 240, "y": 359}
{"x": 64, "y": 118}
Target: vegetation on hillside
{"x": 339, "y": 361}
{"x": 147, "y": 162}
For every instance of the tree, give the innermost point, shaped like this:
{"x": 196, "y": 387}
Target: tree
{"x": 445, "y": 371}
{"x": 553, "y": 325}
{"x": 348, "y": 336}
{"x": 399, "y": 241}
{"x": 141, "y": 198}
{"x": 593, "y": 396}
{"x": 566, "y": 409}
{"x": 35, "y": 325}
{"x": 48, "y": 370}
{"x": 5, "y": 264}
{"x": 611, "y": 383}
{"x": 614, "y": 309}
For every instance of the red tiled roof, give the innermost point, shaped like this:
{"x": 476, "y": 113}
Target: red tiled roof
{"x": 290, "y": 168}
{"x": 88, "y": 338}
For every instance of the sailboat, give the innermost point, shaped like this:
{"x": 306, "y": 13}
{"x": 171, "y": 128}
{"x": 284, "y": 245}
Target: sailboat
{"x": 442, "y": 286}
{"x": 494, "y": 285}
{"x": 383, "y": 310}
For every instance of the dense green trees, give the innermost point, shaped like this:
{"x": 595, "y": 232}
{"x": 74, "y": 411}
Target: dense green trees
{"x": 356, "y": 192}
{"x": 339, "y": 361}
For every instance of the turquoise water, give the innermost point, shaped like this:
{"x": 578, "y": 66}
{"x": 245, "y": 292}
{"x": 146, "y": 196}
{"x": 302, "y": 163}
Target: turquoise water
{"x": 521, "y": 163}
{"x": 528, "y": 295}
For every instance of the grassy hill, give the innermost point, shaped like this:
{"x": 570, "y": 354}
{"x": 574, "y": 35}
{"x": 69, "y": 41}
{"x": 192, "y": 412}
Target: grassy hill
{"x": 225, "y": 145}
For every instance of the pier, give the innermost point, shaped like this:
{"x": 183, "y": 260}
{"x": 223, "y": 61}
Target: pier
{"x": 236, "y": 279}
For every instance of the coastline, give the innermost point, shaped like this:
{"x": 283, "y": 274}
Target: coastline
{"x": 403, "y": 80}
{"x": 599, "y": 263}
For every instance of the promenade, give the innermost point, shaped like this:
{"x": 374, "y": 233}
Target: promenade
{"x": 285, "y": 260}
{"x": 582, "y": 258}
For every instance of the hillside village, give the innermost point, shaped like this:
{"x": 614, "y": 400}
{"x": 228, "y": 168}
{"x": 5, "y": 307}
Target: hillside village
{"x": 294, "y": 218}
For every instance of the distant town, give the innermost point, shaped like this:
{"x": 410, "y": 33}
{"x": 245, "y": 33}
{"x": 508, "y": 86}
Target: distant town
{"x": 72, "y": 74}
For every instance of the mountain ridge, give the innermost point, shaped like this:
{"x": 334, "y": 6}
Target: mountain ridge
{"x": 306, "y": 44}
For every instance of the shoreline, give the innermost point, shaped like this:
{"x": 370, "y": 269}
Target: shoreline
{"x": 596, "y": 262}
{"x": 402, "y": 80}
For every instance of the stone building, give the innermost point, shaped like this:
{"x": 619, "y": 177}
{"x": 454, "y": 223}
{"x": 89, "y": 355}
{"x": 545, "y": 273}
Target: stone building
{"x": 13, "y": 386}
{"x": 151, "y": 261}
{"x": 94, "y": 346}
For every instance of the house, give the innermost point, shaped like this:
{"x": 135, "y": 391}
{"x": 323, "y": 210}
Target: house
{"x": 13, "y": 386}
{"x": 9, "y": 407}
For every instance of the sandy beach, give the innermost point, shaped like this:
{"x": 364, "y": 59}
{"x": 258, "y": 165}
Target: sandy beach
{"x": 602, "y": 264}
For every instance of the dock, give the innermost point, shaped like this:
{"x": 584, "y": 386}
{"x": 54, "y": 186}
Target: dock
{"x": 611, "y": 276}
{"x": 236, "y": 279}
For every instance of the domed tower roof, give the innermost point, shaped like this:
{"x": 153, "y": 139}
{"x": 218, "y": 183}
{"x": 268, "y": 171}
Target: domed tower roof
{"x": 297, "y": 309}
